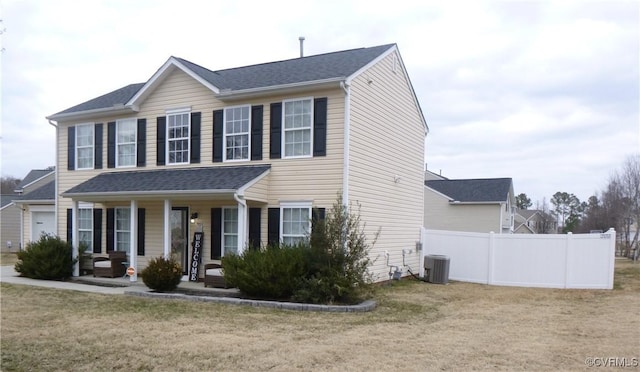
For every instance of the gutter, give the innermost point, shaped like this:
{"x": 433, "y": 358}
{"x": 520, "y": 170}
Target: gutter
{"x": 345, "y": 85}
{"x": 55, "y": 200}
{"x": 115, "y": 109}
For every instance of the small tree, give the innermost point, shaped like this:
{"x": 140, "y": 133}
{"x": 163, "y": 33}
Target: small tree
{"x": 523, "y": 202}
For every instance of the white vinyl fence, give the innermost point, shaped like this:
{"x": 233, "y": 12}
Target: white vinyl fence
{"x": 539, "y": 260}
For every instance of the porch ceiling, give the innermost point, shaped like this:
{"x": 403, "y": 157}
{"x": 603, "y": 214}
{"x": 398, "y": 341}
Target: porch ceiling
{"x": 193, "y": 183}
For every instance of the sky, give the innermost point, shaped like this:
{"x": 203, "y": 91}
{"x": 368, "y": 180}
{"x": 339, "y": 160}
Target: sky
{"x": 544, "y": 92}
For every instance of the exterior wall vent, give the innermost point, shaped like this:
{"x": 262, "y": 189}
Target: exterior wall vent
{"x": 436, "y": 268}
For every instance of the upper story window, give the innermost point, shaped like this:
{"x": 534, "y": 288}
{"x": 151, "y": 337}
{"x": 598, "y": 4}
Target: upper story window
{"x": 297, "y": 128}
{"x": 236, "y": 132}
{"x": 126, "y": 142}
{"x": 178, "y": 125}
{"x": 84, "y": 146}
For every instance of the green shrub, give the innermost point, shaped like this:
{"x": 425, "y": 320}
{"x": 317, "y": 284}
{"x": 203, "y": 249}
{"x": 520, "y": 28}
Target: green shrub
{"x": 161, "y": 274}
{"x": 329, "y": 267}
{"x": 271, "y": 273}
{"x": 47, "y": 258}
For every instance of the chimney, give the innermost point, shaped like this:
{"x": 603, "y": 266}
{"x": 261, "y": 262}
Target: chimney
{"x": 301, "y": 38}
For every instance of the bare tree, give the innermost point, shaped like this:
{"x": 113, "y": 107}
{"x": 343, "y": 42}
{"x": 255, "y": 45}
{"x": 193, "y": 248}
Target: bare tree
{"x": 547, "y": 224}
{"x": 629, "y": 179}
{"x": 8, "y": 185}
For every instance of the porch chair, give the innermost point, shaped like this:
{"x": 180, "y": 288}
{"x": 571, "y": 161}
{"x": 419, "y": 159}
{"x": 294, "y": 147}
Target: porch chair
{"x": 213, "y": 276}
{"x": 110, "y": 267}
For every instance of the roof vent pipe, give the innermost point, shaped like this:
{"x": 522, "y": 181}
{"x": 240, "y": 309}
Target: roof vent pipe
{"x": 301, "y": 38}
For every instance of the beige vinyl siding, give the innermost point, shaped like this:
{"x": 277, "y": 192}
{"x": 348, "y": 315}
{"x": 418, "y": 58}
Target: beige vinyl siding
{"x": 259, "y": 191}
{"x": 10, "y": 228}
{"x": 439, "y": 214}
{"x": 387, "y": 145}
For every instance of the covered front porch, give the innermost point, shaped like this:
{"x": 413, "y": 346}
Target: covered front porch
{"x": 149, "y": 214}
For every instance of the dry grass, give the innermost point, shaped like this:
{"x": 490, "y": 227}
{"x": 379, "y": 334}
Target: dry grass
{"x": 8, "y": 258}
{"x": 416, "y": 327}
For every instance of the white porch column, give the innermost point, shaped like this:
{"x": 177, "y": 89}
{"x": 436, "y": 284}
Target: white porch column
{"x": 75, "y": 238}
{"x": 133, "y": 241}
{"x": 242, "y": 223}
{"x": 167, "y": 229}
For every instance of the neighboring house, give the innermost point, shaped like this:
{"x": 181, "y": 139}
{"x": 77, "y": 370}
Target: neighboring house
{"x": 533, "y": 221}
{"x": 37, "y": 206}
{"x": 249, "y": 155}
{"x": 9, "y": 224}
{"x": 30, "y": 211}
{"x": 474, "y": 205}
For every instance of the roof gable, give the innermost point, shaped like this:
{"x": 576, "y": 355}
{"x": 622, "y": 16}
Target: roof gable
{"x": 491, "y": 190}
{"x": 44, "y": 192}
{"x": 33, "y": 176}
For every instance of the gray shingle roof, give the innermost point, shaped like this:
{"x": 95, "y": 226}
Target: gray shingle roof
{"x": 117, "y": 97}
{"x": 33, "y": 175}
{"x": 6, "y": 199}
{"x": 170, "y": 180}
{"x": 299, "y": 70}
{"x": 473, "y": 190}
{"x": 44, "y": 192}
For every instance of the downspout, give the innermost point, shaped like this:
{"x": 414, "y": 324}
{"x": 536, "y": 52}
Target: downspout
{"x": 347, "y": 130}
{"x": 242, "y": 235}
{"x": 55, "y": 202}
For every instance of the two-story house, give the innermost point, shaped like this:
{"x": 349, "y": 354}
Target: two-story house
{"x": 247, "y": 155}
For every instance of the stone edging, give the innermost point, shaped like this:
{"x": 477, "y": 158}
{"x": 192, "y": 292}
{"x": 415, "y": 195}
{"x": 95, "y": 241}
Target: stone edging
{"x": 359, "y": 308}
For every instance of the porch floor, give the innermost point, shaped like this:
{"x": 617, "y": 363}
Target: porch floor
{"x": 186, "y": 287}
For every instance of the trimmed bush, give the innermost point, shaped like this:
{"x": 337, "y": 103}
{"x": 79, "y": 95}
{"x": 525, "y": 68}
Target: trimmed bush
{"x": 48, "y": 258}
{"x": 271, "y": 273}
{"x": 162, "y": 275}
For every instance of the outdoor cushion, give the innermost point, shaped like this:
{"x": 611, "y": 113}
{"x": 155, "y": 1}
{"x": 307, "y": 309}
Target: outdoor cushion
{"x": 217, "y": 272}
{"x": 105, "y": 263}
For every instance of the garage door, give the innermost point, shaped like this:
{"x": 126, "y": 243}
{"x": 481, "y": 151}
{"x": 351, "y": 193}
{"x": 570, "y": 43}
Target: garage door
{"x": 42, "y": 222}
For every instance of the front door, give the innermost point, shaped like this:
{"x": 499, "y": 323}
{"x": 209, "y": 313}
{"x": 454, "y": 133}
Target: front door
{"x": 180, "y": 236}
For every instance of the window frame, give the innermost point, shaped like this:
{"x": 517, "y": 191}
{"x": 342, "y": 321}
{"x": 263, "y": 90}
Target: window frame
{"x": 116, "y": 231}
{"x": 78, "y": 146}
{"x": 81, "y": 229}
{"x": 134, "y": 143}
{"x": 225, "y": 135}
{"x": 295, "y": 205}
{"x": 285, "y": 130}
{"x": 224, "y": 233}
{"x": 169, "y": 114}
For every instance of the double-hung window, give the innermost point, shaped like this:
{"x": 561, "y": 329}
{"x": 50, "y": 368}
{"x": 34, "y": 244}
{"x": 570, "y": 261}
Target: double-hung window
{"x": 126, "y": 132}
{"x": 295, "y": 222}
{"x": 123, "y": 229}
{"x": 178, "y": 125}
{"x": 236, "y": 132}
{"x": 297, "y": 128}
{"x": 84, "y": 146}
{"x": 85, "y": 228}
{"x": 229, "y": 231}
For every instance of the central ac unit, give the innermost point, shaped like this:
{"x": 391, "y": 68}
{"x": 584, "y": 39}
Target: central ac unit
{"x": 436, "y": 268}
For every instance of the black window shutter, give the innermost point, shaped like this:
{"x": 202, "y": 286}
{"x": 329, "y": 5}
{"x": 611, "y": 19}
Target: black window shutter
{"x": 275, "y": 132}
{"x": 69, "y": 225}
{"x": 320, "y": 127}
{"x": 254, "y": 228}
{"x": 273, "y": 226}
{"x": 97, "y": 149}
{"x": 317, "y": 215}
{"x": 218, "y": 125}
{"x": 111, "y": 144}
{"x": 111, "y": 220}
{"x": 141, "y": 231}
{"x": 216, "y": 233}
{"x": 195, "y": 137}
{"x": 141, "y": 149}
{"x": 256, "y": 132}
{"x": 161, "y": 139}
{"x": 97, "y": 230}
{"x": 71, "y": 148}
